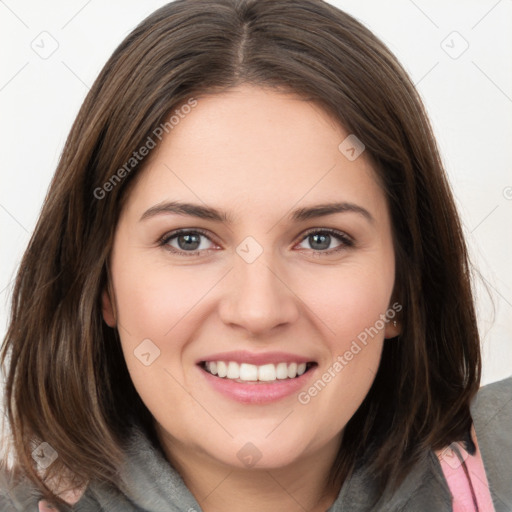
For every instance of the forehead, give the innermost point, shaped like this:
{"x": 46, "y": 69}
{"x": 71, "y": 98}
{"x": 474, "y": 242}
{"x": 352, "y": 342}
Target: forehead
{"x": 253, "y": 149}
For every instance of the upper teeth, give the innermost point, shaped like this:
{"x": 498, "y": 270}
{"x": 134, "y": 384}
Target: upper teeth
{"x": 245, "y": 371}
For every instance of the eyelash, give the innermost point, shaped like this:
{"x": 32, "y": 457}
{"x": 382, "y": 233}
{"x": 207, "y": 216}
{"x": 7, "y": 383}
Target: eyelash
{"x": 346, "y": 241}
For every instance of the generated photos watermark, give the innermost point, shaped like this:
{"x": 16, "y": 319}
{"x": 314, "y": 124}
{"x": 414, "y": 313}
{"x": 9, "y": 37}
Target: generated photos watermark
{"x": 44, "y": 455}
{"x": 137, "y": 156}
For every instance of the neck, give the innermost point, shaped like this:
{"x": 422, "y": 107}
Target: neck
{"x": 218, "y": 487}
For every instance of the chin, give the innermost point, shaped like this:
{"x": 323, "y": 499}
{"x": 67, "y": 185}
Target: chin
{"x": 255, "y": 452}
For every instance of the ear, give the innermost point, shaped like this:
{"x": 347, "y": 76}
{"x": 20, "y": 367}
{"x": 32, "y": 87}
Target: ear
{"x": 391, "y": 330}
{"x": 394, "y": 313}
{"x": 108, "y": 309}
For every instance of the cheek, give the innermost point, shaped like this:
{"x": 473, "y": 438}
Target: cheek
{"x": 154, "y": 298}
{"x": 348, "y": 305}
{"x": 155, "y": 303}
{"x": 347, "y": 301}
{"x": 159, "y": 303}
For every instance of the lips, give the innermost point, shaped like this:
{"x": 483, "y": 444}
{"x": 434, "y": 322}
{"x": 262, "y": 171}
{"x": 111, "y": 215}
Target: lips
{"x": 250, "y": 366}
{"x": 256, "y": 378}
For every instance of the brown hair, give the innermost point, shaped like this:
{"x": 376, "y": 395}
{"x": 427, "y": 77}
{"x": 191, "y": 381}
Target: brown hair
{"x": 66, "y": 379}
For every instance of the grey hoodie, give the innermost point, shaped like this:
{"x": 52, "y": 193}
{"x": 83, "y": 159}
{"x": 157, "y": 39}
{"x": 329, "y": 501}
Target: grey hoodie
{"x": 156, "y": 487}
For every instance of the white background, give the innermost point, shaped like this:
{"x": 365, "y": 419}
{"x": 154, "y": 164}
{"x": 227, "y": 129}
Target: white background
{"x": 469, "y": 100}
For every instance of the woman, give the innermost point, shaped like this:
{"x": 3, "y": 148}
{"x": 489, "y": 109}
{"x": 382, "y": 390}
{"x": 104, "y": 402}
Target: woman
{"x": 254, "y": 292}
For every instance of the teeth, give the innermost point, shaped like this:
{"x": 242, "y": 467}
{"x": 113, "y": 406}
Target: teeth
{"x": 222, "y": 369}
{"x": 248, "y": 371}
{"x": 267, "y": 372}
{"x": 233, "y": 370}
{"x": 282, "y": 371}
{"x": 251, "y": 372}
{"x": 292, "y": 370}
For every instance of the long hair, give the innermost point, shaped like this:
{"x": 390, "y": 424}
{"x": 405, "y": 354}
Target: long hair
{"x": 66, "y": 380}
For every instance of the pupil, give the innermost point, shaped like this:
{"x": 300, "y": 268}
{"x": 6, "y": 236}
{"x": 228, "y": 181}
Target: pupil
{"x": 191, "y": 241}
{"x": 322, "y": 239}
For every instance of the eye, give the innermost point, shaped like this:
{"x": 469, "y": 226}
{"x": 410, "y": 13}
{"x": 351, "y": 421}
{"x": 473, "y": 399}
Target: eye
{"x": 320, "y": 240}
{"x": 187, "y": 241}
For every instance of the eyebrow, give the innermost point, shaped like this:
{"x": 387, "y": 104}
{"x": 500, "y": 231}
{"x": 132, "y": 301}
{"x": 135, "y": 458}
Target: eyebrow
{"x": 209, "y": 213}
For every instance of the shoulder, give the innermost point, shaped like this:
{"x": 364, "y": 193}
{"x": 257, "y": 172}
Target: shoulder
{"x": 494, "y": 399}
{"x": 426, "y": 487}
{"x": 16, "y": 495}
{"x": 491, "y": 411}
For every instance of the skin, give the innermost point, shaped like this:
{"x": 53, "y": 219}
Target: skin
{"x": 256, "y": 154}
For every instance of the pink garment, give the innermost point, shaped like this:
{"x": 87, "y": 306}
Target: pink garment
{"x": 470, "y": 491}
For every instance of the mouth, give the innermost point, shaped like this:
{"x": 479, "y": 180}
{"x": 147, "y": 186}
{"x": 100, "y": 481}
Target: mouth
{"x": 247, "y": 373}
{"x": 256, "y": 378}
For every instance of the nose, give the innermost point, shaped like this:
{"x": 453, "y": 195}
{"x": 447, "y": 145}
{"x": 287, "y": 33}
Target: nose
{"x": 258, "y": 297}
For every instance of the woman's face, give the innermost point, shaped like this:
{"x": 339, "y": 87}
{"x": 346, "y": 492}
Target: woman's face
{"x": 264, "y": 280}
